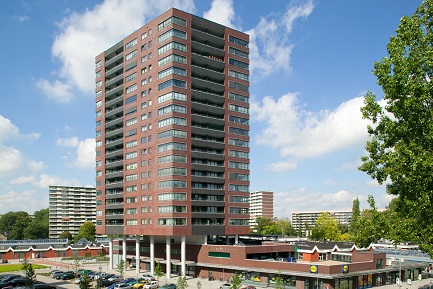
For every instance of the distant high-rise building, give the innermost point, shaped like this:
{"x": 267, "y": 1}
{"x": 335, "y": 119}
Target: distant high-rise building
{"x": 307, "y": 219}
{"x": 261, "y": 205}
{"x": 69, "y": 208}
{"x": 172, "y": 124}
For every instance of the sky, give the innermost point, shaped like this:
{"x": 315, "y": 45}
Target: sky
{"x": 311, "y": 63}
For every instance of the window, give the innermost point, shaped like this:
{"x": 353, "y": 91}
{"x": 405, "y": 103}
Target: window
{"x": 238, "y": 131}
{"x": 131, "y": 144}
{"x": 143, "y": 59}
{"x": 98, "y": 64}
{"x": 131, "y": 88}
{"x": 237, "y": 63}
{"x": 131, "y": 55}
{"x": 172, "y": 33}
{"x": 130, "y": 110}
{"x": 172, "y": 58}
{"x": 131, "y": 166}
{"x": 238, "y": 108}
{"x": 98, "y": 93}
{"x": 143, "y": 82}
{"x": 98, "y": 84}
{"x": 130, "y": 155}
{"x": 238, "y": 154}
{"x": 238, "y": 41}
{"x": 172, "y": 159}
{"x": 98, "y": 173}
{"x": 172, "y": 82}
{"x": 238, "y": 97}
{"x": 238, "y": 75}
{"x": 131, "y": 66}
{"x": 131, "y": 222}
{"x": 98, "y": 74}
{"x": 98, "y": 123}
{"x": 240, "y": 120}
{"x": 131, "y": 77}
{"x": 172, "y": 133}
{"x": 98, "y": 113}
{"x": 171, "y": 108}
{"x": 98, "y": 163}
{"x": 99, "y": 103}
{"x": 238, "y": 52}
{"x": 171, "y": 221}
{"x": 172, "y": 95}
{"x": 238, "y": 86}
{"x": 172, "y": 120}
{"x": 131, "y": 44}
{"x": 239, "y": 165}
{"x": 149, "y": 56}
{"x": 239, "y": 188}
{"x": 172, "y": 45}
{"x": 131, "y": 99}
{"x": 238, "y": 142}
{"x": 131, "y": 132}
{"x": 149, "y": 44}
{"x": 239, "y": 199}
{"x": 171, "y": 184}
{"x": 130, "y": 189}
{"x": 239, "y": 222}
{"x": 234, "y": 210}
{"x": 98, "y": 143}
{"x": 172, "y": 70}
{"x": 239, "y": 177}
{"x": 131, "y": 121}
{"x": 172, "y": 196}
{"x": 143, "y": 47}
{"x": 99, "y": 213}
{"x": 144, "y": 35}
{"x": 131, "y": 211}
{"x": 130, "y": 178}
{"x": 143, "y": 175}
{"x": 172, "y": 146}
{"x": 169, "y": 21}
{"x": 172, "y": 209}
{"x": 98, "y": 133}
{"x": 172, "y": 172}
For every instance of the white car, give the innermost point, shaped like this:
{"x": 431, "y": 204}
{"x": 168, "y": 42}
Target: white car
{"x": 225, "y": 286}
{"x": 151, "y": 285}
{"x": 148, "y": 277}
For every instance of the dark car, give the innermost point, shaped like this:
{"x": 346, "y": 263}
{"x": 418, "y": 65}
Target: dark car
{"x": 43, "y": 286}
{"x": 168, "y": 286}
{"x": 57, "y": 274}
{"x": 18, "y": 281}
{"x": 66, "y": 276}
{"x": 8, "y": 277}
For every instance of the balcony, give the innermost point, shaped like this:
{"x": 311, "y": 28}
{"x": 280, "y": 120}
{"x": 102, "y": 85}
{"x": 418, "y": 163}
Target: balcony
{"x": 116, "y": 70}
{"x": 116, "y": 133}
{"x": 114, "y": 123}
{"x": 201, "y": 129}
{"x": 208, "y": 61}
{"x": 115, "y": 143}
{"x": 207, "y": 155}
{"x": 114, "y": 61}
{"x": 205, "y": 95}
{"x": 206, "y": 118}
{"x": 206, "y": 73}
{"x": 113, "y": 111}
{"x": 207, "y": 84}
{"x": 113, "y": 93}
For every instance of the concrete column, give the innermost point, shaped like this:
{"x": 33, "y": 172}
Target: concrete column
{"x": 183, "y": 255}
{"x": 168, "y": 256}
{"x": 124, "y": 250}
{"x": 205, "y": 239}
{"x": 110, "y": 253}
{"x": 137, "y": 255}
{"x": 152, "y": 255}
{"x": 236, "y": 238}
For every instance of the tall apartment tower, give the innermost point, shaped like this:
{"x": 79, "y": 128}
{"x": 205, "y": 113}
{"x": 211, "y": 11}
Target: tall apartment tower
{"x": 69, "y": 208}
{"x": 261, "y": 205}
{"x": 172, "y": 144}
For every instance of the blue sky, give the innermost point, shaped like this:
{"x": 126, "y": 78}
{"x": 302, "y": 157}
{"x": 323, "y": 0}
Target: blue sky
{"x": 310, "y": 61}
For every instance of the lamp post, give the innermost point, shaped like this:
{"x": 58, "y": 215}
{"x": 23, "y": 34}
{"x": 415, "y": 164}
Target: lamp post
{"x": 399, "y": 274}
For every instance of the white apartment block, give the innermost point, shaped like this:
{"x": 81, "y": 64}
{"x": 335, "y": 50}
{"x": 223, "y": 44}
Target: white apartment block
{"x": 69, "y": 208}
{"x": 261, "y": 205}
{"x": 307, "y": 219}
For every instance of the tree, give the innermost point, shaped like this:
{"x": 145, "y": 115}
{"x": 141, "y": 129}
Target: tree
{"x": 158, "y": 270}
{"x": 181, "y": 283}
{"x": 85, "y": 282}
{"x": 400, "y": 149}
{"x": 66, "y": 235}
{"x": 326, "y": 228}
{"x": 77, "y": 264}
{"x": 279, "y": 284}
{"x": 235, "y": 281}
{"x": 262, "y": 222}
{"x": 13, "y": 224}
{"x": 88, "y": 231}
{"x": 355, "y": 215}
{"x": 121, "y": 267}
{"x": 29, "y": 273}
{"x": 35, "y": 230}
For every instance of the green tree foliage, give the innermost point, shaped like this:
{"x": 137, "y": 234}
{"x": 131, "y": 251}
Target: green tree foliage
{"x": 400, "y": 149}
{"x": 85, "y": 282}
{"x": 88, "y": 231}
{"x": 66, "y": 235}
{"x": 13, "y": 224}
{"x": 181, "y": 283}
{"x": 326, "y": 228}
{"x": 372, "y": 225}
{"x": 355, "y": 215}
{"x": 267, "y": 226}
{"x": 29, "y": 273}
{"x": 279, "y": 284}
{"x": 121, "y": 267}
{"x": 158, "y": 270}
{"x": 235, "y": 281}
{"x": 262, "y": 222}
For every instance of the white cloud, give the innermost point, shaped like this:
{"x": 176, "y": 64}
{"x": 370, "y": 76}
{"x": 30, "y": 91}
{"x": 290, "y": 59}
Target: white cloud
{"x": 221, "y": 12}
{"x": 28, "y": 201}
{"x": 57, "y": 91}
{"x": 91, "y": 33}
{"x": 8, "y": 131}
{"x": 22, "y": 18}
{"x": 46, "y": 180}
{"x": 282, "y": 166}
{"x": 84, "y": 155}
{"x": 11, "y": 160}
{"x": 36, "y": 166}
{"x": 299, "y": 133}
{"x": 68, "y": 142}
{"x": 22, "y": 180}
{"x": 270, "y": 49}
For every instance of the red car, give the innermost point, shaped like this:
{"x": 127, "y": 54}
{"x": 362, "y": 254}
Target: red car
{"x": 249, "y": 287}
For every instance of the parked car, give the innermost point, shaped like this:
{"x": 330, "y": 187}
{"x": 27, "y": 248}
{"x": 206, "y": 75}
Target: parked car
{"x": 225, "y": 286}
{"x": 151, "y": 285}
{"x": 115, "y": 278}
{"x": 140, "y": 284}
{"x": 281, "y": 259}
{"x": 122, "y": 286}
{"x": 43, "y": 286}
{"x": 249, "y": 287}
{"x": 18, "y": 281}
{"x": 125, "y": 281}
{"x": 67, "y": 276}
{"x": 8, "y": 277}
{"x": 168, "y": 286}
{"x": 148, "y": 277}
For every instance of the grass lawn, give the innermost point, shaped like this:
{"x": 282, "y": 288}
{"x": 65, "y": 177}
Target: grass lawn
{"x": 18, "y": 267}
